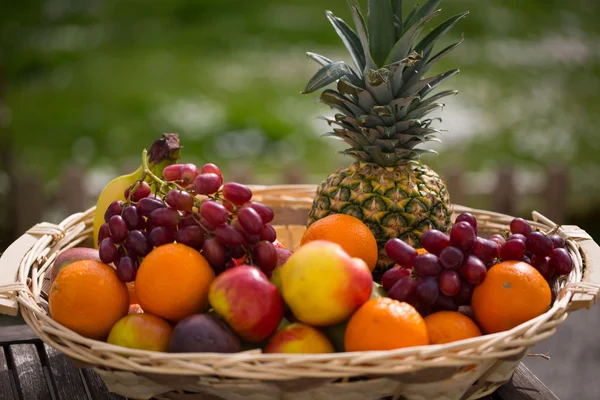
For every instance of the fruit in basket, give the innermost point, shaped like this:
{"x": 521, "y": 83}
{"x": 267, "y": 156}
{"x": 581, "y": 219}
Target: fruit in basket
{"x": 201, "y": 333}
{"x": 349, "y": 232}
{"x": 247, "y": 301}
{"x": 88, "y": 298}
{"x": 512, "y": 293}
{"x": 450, "y": 326}
{"x": 382, "y": 116}
{"x": 385, "y": 324}
{"x": 323, "y": 285}
{"x": 299, "y": 338}
{"x": 142, "y": 332}
{"x": 173, "y": 282}
{"x": 69, "y": 256}
{"x": 163, "y": 152}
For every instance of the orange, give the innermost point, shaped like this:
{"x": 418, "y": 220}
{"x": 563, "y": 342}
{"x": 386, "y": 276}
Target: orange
{"x": 385, "y": 324}
{"x": 349, "y": 232}
{"x": 172, "y": 282}
{"x": 512, "y": 292}
{"x": 421, "y": 250}
{"x": 450, "y": 326}
{"x": 88, "y": 298}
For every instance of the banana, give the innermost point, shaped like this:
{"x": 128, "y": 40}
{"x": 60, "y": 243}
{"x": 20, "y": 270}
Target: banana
{"x": 163, "y": 152}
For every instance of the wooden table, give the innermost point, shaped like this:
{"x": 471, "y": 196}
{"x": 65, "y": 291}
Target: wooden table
{"x": 30, "y": 369}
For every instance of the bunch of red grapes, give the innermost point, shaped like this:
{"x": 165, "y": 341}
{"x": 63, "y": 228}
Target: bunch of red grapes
{"x": 223, "y": 223}
{"x": 445, "y": 276}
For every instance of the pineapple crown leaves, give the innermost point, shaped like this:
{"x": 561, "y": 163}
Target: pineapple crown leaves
{"x": 382, "y": 99}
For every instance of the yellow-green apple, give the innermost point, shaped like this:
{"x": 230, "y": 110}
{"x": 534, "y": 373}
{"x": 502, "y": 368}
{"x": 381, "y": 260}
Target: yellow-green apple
{"x": 141, "y": 331}
{"x": 298, "y": 338}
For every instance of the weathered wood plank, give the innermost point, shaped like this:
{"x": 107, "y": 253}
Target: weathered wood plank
{"x": 524, "y": 385}
{"x": 66, "y": 377}
{"x": 31, "y": 379}
{"x": 17, "y": 334}
{"x": 97, "y": 388}
{"x": 6, "y": 380}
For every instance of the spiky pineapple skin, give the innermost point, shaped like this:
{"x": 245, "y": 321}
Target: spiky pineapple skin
{"x": 394, "y": 202}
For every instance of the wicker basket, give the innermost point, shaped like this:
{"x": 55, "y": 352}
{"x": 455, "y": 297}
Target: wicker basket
{"x": 468, "y": 369}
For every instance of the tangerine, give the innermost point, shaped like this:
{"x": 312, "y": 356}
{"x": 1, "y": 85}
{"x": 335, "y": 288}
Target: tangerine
{"x": 172, "y": 282}
{"x": 383, "y": 323}
{"x": 450, "y": 326}
{"x": 352, "y": 234}
{"x": 512, "y": 293}
{"x": 88, "y": 298}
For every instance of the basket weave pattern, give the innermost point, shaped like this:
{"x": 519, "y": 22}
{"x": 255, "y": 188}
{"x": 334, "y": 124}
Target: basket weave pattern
{"x": 468, "y": 369}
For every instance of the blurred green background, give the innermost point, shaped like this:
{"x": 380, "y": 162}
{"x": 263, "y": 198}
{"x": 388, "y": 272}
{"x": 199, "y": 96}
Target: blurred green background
{"x": 89, "y": 83}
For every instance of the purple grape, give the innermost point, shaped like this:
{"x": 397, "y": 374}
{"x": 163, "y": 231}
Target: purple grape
{"x": 118, "y": 228}
{"x": 146, "y": 205}
{"x": 512, "y": 250}
{"x": 229, "y": 236}
{"x": 519, "y": 225}
{"x": 141, "y": 191}
{"x": 427, "y": 290}
{"x": 206, "y": 224}
{"x": 473, "y": 270}
{"x": 214, "y": 213}
{"x": 542, "y": 264}
{"x": 250, "y": 220}
{"x": 208, "y": 183}
{"x": 108, "y": 251}
{"x": 192, "y": 236}
{"x": 403, "y": 289}
{"x": 449, "y": 282}
{"x": 539, "y": 244}
{"x": 498, "y": 239}
{"x": 131, "y": 217}
{"x": 517, "y": 236}
{"x": 161, "y": 235}
{"x": 484, "y": 249}
{"x": 526, "y": 259}
{"x": 268, "y": 233}
{"x": 391, "y": 276}
{"x": 103, "y": 232}
{"x": 265, "y": 255}
{"x": 137, "y": 243}
{"x": 462, "y": 235}
{"x": 265, "y": 212}
{"x": 560, "y": 261}
{"x": 427, "y": 265}
{"x": 400, "y": 252}
{"x": 451, "y": 257}
{"x": 166, "y": 217}
{"x": 214, "y": 252}
{"x": 250, "y": 239}
{"x": 238, "y": 252}
{"x": 445, "y": 303}
{"x": 468, "y": 218}
{"x": 434, "y": 241}
{"x": 463, "y": 297}
{"x": 557, "y": 241}
{"x": 186, "y": 218}
{"x": 237, "y": 193}
{"x": 127, "y": 269}
{"x": 528, "y": 254}
{"x": 188, "y": 172}
{"x": 114, "y": 208}
{"x": 180, "y": 200}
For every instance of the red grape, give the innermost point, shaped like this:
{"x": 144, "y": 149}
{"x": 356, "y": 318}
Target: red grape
{"x": 161, "y": 235}
{"x": 118, "y": 228}
{"x": 265, "y": 212}
{"x": 127, "y": 269}
{"x": 498, "y": 239}
{"x": 207, "y": 183}
{"x": 517, "y": 236}
{"x": 228, "y": 205}
{"x": 512, "y": 250}
{"x": 473, "y": 270}
{"x": 250, "y": 220}
{"x": 103, "y": 232}
{"x": 237, "y": 193}
{"x": 172, "y": 173}
{"x": 560, "y": 261}
{"x": 539, "y": 244}
{"x": 451, "y": 257}
{"x": 557, "y": 241}
{"x": 427, "y": 265}
{"x": 114, "y": 208}
{"x": 137, "y": 243}
{"x": 400, "y": 252}
{"x": 445, "y": 303}
{"x": 434, "y": 241}
{"x": 519, "y": 225}
{"x": 214, "y": 252}
{"x": 108, "y": 251}
{"x": 229, "y": 236}
{"x": 265, "y": 255}
{"x": 167, "y": 217}
{"x": 468, "y": 218}
{"x": 282, "y": 255}
{"x": 526, "y": 259}
{"x": 462, "y": 235}
{"x": 403, "y": 289}
{"x": 484, "y": 249}
{"x": 427, "y": 290}
{"x": 268, "y": 233}
{"x": 211, "y": 168}
{"x": 141, "y": 191}
{"x": 206, "y": 224}
{"x": 214, "y": 213}
{"x": 449, "y": 282}
{"x": 146, "y": 205}
{"x": 192, "y": 236}
{"x": 180, "y": 200}
{"x": 391, "y": 276}
{"x": 188, "y": 172}
{"x": 131, "y": 217}
{"x": 542, "y": 264}
{"x": 463, "y": 297}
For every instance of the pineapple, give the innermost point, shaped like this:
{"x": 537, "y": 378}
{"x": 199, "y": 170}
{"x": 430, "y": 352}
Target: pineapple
{"x": 382, "y": 107}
